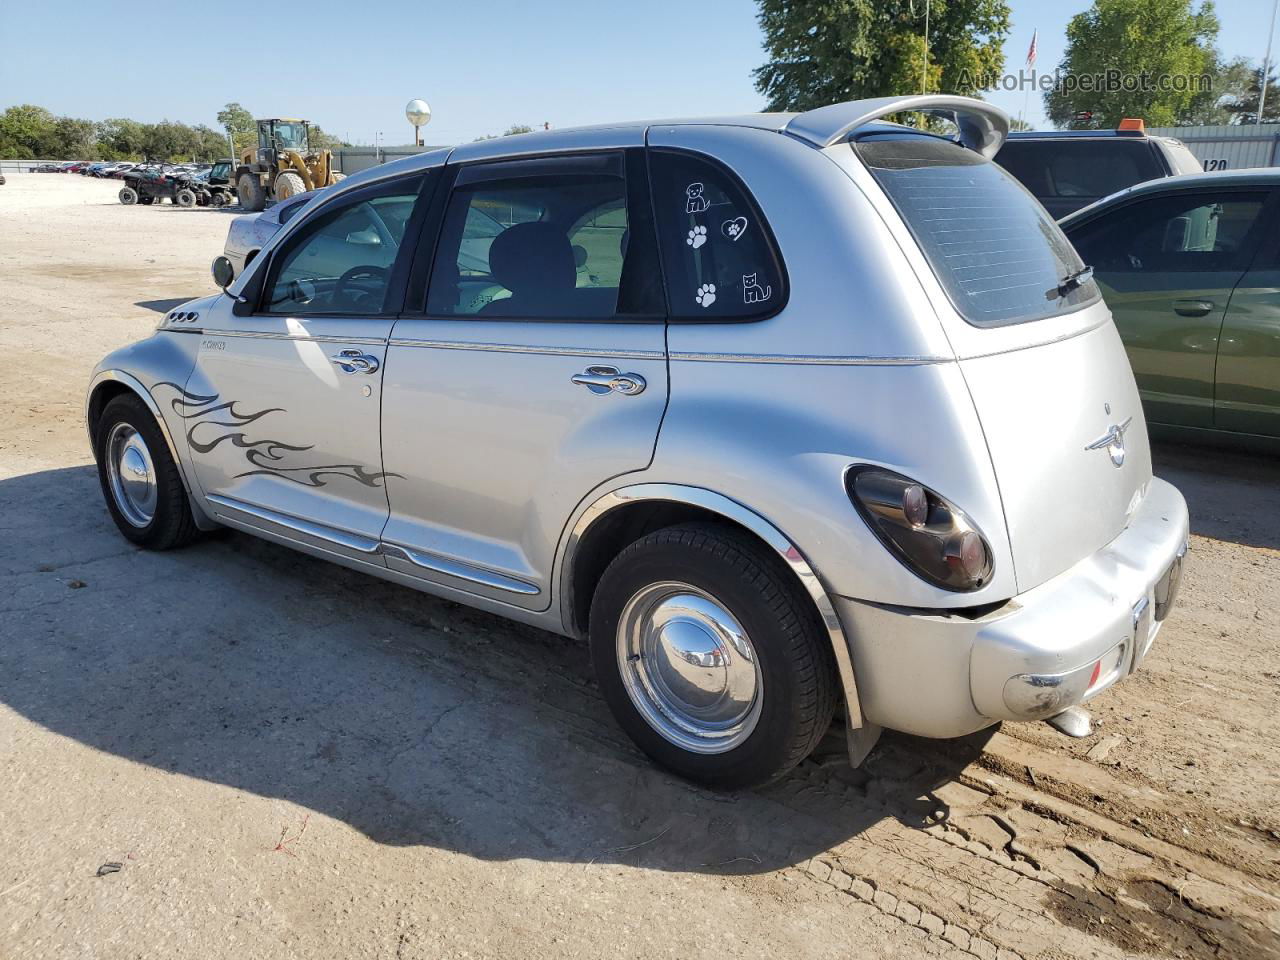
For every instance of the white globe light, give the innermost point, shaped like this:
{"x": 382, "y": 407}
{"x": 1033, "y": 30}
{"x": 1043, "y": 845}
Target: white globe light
{"x": 418, "y": 112}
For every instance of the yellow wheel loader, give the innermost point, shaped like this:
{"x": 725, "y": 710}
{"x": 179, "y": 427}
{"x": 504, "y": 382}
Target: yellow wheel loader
{"x": 282, "y": 164}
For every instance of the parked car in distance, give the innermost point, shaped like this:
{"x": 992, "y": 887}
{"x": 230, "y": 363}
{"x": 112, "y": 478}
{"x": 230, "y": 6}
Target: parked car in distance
{"x": 1069, "y": 169}
{"x": 748, "y": 413}
{"x": 1190, "y": 267}
{"x": 249, "y": 232}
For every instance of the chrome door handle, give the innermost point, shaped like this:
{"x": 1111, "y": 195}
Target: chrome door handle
{"x": 353, "y": 361}
{"x": 602, "y": 380}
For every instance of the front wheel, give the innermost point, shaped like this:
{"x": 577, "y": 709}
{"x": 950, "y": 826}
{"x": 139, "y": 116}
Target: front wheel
{"x": 288, "y": 184}
{"x": 185, "y": 198}
{"x": 711, "y": 657}
{"x": 128, "y": 196}
{"x": 139, "y": 478}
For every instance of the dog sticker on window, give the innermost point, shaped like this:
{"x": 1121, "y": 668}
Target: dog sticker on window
{"x": 752, "y": 292}
{"x": 734, "y": 228}
{"x": 695, "y": 202}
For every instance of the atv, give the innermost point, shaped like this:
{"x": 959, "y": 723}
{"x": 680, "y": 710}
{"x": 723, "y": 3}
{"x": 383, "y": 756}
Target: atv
{"x": 146, "y": 186}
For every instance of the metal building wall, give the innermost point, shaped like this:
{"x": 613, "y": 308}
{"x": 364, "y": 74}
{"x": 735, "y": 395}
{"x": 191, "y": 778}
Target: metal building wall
{"x": 1229, "y": 147}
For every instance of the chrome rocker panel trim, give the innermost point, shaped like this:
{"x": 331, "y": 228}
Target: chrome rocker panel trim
{"x": 369, "y": 547}
{"x": 862, "y": 735}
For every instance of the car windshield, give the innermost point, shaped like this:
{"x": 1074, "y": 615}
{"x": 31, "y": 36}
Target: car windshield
{"x": 292, "y": 136}
{"x": 996, "y": 252}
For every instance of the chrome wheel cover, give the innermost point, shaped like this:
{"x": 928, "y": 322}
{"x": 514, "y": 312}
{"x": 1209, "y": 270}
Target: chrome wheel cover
{"x": 689, "y": 667}
{"x": 131, "y": 475}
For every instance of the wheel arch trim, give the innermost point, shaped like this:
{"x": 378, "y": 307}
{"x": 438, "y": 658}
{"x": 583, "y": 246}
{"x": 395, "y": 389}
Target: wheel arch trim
{"x": 778, "y": 541}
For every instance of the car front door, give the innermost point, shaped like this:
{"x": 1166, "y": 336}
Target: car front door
{"x": 282, "y": 409}
{"x": 536, "y": 372}
{"x": 1247, "y": 392}
{"x": 1166, "y": 266}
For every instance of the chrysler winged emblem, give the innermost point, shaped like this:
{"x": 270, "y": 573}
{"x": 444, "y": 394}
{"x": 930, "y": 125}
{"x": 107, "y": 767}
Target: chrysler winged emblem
{"x": 1113, "y": 442}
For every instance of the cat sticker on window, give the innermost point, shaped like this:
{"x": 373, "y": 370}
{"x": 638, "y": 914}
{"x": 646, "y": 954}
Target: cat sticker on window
{"x": 752, "y": 292}
{"x": 695, "y": 202}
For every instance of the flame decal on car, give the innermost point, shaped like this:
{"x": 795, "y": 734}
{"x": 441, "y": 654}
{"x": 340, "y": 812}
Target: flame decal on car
{"x": 218, "y": 423}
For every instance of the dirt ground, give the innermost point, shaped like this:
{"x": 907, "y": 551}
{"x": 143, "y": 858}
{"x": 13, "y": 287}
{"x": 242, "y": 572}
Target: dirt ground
{"x": 288, "y": 759}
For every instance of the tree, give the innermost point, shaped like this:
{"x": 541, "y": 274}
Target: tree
{"x": 320, "y": 140}
{"x": 1244, "y": 88}
{"x": 25, "y": 131}
{"x": 1018, "y": 124}
{"x": 239, "y": 121}
{"x": 516, "y": 128}
{"x": 1138, "y": 58}
{"x": 827, "y": 51}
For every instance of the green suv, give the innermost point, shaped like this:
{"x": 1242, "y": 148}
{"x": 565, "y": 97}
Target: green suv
{"x": 1190, "y": 266}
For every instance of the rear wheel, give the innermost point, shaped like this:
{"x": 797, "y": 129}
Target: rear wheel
{"x": 249, "y": 188}
{"x": 128, "y": 196}
{"x": 185, "y": 198}
{"x": 139, "y": 478}
{"x": 711, "y": 657}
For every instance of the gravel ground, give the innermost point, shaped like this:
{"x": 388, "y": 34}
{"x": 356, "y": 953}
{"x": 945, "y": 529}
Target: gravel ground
{"x": 288, "y": 759}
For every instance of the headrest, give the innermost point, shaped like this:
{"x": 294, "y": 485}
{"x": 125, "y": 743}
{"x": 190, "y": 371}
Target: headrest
{"x": 532, "y": 257}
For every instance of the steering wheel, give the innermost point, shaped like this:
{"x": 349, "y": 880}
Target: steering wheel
{"x": 358, "y": 291}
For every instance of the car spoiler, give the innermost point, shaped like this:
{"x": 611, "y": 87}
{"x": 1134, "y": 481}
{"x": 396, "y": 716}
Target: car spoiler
{"x": 983, "y": 127}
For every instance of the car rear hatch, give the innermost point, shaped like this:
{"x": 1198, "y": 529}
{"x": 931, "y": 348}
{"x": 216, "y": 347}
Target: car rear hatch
{"x": 1043, "y": 362}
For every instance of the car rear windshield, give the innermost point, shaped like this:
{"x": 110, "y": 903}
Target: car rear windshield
{"x": 996, "y": 252}
{"x": 1085, "y": 169}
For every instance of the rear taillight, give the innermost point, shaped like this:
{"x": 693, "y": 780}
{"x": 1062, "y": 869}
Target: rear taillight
{"x": 927, "y": 533}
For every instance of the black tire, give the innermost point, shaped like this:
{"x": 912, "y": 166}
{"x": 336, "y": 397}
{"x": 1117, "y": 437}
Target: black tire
{"x": 146, "y": 201}
{"x": 288, "y": 184}
{"x": 252, "y": 196}
{"x": 128, "y": 196}
{"x": 797, "y": 666}
{"x": 172, "y": 524}
{"x": 185, "y": 198}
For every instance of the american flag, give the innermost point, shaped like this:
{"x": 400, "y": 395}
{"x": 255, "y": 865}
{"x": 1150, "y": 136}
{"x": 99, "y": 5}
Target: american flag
{"x": 1031, "y": 50}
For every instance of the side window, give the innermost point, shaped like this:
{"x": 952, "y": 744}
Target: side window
{"x": 547, "y": 238}
{"x": 340, "y": 262}
{"x": 716, "y": 248}
{"x": 1186, "y": 232}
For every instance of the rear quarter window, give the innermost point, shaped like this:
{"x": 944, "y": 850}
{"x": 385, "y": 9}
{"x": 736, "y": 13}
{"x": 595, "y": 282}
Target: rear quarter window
{"x": 996, "y": 252}
{"x": 718, "y": 252}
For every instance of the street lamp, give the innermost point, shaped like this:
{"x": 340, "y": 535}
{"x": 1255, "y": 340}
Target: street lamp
{"x": 418, "y": 114}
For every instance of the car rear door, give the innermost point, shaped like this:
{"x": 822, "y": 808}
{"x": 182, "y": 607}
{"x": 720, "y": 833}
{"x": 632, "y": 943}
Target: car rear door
{"x": 1247, "y": 388}
{"x": 533, "y": 371}
{"x": 1166, "y": 265}
{"x": 283, "y": 405}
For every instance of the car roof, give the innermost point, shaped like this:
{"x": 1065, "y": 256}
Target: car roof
{"x": 982, "y": 127}
{"x": 1250, "y": 177}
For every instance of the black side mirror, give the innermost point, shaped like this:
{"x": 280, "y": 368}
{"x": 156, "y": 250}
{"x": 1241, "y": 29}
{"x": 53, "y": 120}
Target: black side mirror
{"x": 223, "y": 272}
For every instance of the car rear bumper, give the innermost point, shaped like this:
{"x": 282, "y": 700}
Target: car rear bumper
{"x": 1053, "y": 647}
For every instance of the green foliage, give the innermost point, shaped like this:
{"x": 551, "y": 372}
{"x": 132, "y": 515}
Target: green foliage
{"x": 517, "y": 128}
{"x": 320, "y": 140}
{"x": 828, "y": 51}
{"x": 29, "y": 132}
{"x": 240, "y": 122}
{"x": 1137, "y": 38}
{"x": 1240, "y": 90}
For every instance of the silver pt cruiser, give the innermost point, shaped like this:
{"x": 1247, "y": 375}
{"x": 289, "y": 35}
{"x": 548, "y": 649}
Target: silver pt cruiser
{"x": 783, "y": 414}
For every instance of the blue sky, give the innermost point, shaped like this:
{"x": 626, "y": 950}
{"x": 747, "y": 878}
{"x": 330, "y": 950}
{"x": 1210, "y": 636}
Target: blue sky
{"x": 482, "y": 65}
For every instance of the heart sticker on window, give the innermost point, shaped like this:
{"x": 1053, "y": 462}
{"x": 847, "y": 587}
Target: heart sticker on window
{"x": 734, "y": 228}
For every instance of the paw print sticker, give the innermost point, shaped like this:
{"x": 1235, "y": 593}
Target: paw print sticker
{"x": 697, "y": 237}
{"x": 706, "y": 295}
